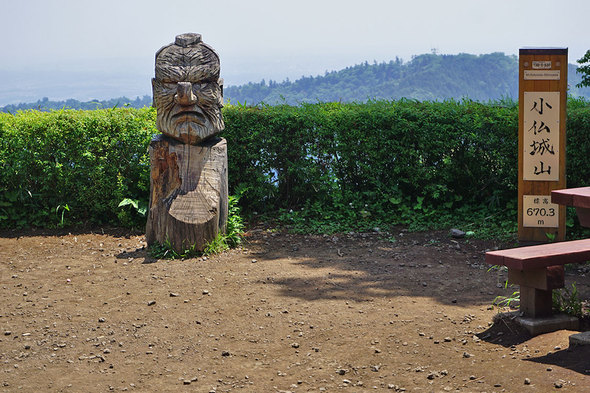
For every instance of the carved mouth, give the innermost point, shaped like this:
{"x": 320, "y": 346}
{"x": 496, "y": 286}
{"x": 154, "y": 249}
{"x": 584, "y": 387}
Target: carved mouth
{"x": 189, "y": 116}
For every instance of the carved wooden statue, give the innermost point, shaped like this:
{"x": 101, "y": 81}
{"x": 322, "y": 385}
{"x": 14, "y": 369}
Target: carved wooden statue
{"x": 188, "y": 185}
{"x": 187, "y": 91}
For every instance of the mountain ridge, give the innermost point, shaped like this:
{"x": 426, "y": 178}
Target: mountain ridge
{"x": 426, "y": 77}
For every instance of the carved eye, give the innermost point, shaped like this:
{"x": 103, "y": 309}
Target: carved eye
{"x": 168, "y": 85}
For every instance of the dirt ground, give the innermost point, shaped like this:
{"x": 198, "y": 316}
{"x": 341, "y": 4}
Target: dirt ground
{"x": 91, "y": 312}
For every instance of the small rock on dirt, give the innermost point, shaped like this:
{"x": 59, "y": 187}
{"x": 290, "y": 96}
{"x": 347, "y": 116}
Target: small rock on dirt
{"x": 558, "y": 384}
{"x": 457, "y": 233}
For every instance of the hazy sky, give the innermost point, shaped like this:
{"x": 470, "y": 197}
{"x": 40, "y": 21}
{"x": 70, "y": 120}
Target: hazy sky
{"x": 116, "y": 40}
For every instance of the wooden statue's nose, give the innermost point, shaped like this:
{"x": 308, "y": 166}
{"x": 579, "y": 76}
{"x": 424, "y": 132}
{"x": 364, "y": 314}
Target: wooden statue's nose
{"x": 184, "y": 94}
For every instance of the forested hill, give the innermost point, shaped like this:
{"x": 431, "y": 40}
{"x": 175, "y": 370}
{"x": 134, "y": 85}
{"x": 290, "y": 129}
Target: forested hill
{"x": 46, "y": 104}
{"x": 426, "y": 77}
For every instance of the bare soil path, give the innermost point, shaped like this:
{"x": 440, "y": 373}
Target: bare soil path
{"x": 91, "y": 312}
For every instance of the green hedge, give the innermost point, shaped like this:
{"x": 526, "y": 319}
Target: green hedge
{"x": 374, "y": 153}
{"x": 578, "y": 143}
{"x": 379, "y": 163}
{"x": 79, "y": 163}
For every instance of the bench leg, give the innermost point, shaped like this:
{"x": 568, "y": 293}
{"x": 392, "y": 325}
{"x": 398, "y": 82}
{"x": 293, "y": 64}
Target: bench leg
{"x": 535, "y": 302}
{"x": 583, "y": 216}
{"x": 545, "y": 278}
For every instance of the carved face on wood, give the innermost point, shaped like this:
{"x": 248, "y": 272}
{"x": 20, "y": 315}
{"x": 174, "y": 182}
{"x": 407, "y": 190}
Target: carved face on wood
{"x": 188, "y": 94}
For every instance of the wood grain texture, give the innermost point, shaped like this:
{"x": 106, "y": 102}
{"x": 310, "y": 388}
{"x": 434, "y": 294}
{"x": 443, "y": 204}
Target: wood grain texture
{"x": 188, "y": 192}
{"x": 187, "y": 90}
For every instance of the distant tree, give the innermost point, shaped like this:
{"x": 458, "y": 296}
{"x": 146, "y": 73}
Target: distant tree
{"x": 584, "y": 70}
{"x": 45, "y": 104}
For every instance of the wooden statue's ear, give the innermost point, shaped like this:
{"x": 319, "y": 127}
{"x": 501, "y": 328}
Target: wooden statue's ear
{"x": 153, "y": 95}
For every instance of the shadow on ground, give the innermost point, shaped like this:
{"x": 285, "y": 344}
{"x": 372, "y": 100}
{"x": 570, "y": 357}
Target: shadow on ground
{"x": 360, "y": 267}
{"x": 573, "y": 358}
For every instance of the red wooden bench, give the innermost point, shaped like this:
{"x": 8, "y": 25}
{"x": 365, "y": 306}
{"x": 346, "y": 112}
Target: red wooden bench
{"x": 576, "y": 197}
{"x": 538, "y": 270}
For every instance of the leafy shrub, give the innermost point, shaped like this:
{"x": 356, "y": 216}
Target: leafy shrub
{"x": 86, "y": 160}
{"x": 394, "y": 161}
{"x": 568, "y": 301}
{"x": 324, "y": 167}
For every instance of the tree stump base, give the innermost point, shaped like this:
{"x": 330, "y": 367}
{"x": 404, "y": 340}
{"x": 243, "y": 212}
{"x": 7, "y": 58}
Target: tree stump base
{"x": 188, "y": 192}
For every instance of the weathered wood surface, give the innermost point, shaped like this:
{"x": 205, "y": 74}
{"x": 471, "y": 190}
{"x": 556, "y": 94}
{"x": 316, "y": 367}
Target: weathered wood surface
{"x": 188, "y": 192}
{"x": 188, "y": 186}
{"x": 187, "y": 90}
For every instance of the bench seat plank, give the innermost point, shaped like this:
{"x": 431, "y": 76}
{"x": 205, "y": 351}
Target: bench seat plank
{"x": 534, "y": 257}
{"x": 578, "y": 197}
